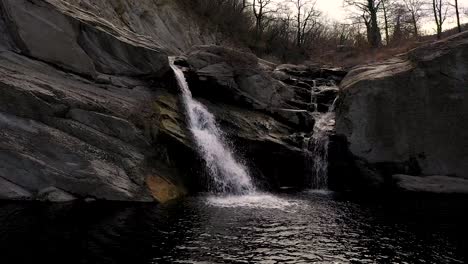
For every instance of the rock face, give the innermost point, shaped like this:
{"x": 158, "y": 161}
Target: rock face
{"x": 290, "y": 95}
{"x": 407, "y": 115}
{"x": 167, "y": 24}
{"x": 258, "y": 139}
{"x": 61, "y": 130}
{"x": 73, "y": 91}
{"x": 78, "y": 41}
{"x": 289, "y": 92}
{"x": 89, "y": 109}
{"x": 235, "y": 77}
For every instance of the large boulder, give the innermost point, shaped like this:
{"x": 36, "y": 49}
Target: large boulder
{"x": 408, "y": 114}
{"x": 233, "y": 76}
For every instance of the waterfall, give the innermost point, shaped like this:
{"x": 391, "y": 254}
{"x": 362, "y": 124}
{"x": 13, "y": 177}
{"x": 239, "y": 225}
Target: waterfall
{"x": 317, "y": 148}
{"x": 227, "y": 174}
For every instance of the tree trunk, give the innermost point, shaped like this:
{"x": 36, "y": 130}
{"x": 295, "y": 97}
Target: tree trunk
{"x": 458, "y": 16}
{"x": 415, "y": 25}
{"x": 375, "y": 31}
{"x": 387, "y": 38}
{"x": 299, "y": 36}
{"x": 439, "y": 29}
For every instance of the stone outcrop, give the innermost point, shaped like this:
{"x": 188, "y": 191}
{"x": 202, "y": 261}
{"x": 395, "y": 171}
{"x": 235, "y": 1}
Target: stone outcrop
{"x": 407, "y": 115}
{"x": 58, "y": 129}
{"x": 53, "y": 194}
{"x": 431, "y": 184}
{"x": 73, "y": 91}
{"x": 289, "y": 92}
{"x": 233, "y": 76}
{"x": 78, "y": 41}
{"x": 170, "y": 25}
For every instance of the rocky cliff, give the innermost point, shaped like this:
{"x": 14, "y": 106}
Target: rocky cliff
{"x": 90, "y": 110}
{"x": 408, "y": 115}
{"x": 77, "y": 93}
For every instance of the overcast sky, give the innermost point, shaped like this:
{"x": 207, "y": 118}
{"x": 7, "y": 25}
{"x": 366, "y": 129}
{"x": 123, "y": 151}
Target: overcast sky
{"x": 334, "y": 10}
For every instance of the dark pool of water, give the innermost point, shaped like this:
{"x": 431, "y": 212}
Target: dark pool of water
{"x": 298, "y": 228}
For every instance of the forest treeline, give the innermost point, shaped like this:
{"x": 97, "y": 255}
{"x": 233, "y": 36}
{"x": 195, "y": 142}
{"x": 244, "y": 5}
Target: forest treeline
{"x": 296, "y": 30}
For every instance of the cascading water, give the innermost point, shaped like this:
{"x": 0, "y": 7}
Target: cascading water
{"x": 317, "y": 148}
{"x": 227, "y": 174}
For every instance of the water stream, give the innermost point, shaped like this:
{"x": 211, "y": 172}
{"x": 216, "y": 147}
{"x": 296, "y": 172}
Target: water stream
{"x": 317, "y": 148}
{"x": 228, "y": 174}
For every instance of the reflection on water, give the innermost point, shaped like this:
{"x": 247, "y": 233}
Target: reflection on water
{"x": 303, "y": 228}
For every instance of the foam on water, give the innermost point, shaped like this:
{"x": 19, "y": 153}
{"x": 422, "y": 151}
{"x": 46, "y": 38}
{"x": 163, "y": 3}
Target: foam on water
{"x": 257, "y": 200}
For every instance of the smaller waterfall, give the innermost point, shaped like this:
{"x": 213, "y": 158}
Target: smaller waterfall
{"x": 227, "y": 174}
{"x": 317, "y": 148}
{"x": 313, "y": 98}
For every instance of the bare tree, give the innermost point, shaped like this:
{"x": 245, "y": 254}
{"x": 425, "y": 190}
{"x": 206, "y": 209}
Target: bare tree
{"x": 369, "y": 10}
{"x": 416, "y": 10}
{"x": 457, "y": 13}
{"x": 403, "y": 23}
{"x": 385, "y": 10}
{"x": 260, "y": 10}
{"x": 306, "y": 18}
{"x": 440, "y": 9}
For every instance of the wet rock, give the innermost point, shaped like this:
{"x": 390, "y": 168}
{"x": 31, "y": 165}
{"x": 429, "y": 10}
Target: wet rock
{"x": 310, "y": 74}
{"x": 325, "y": 97}
{"x": 164, "y": 190}
{"x": 431, "y": 184}
{"x": 55, "y": 195}
{"x": 301, "y": 120}
{"x": 258, "y": 138}
{"x": 11, "y": 191}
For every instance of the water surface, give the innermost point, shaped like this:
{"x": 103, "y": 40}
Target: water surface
{"x": 310, "y": 227}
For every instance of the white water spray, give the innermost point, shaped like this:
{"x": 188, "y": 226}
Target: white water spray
{"x": 317, "y": 148}
{"x": 227, "y": 174}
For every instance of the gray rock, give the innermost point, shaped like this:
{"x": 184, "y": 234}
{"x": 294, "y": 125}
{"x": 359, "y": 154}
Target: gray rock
{"x": 94, "y": 151}
{"x": 301, "y": 120}
{"x": 259, "y": 137}
{"x": 11, "y": 191}
{"x": 168, "y": 24}
{"x": 109, "y": 125}
{"x": 6, "y": 42}
{"x": 81, "y": 109}
{"x": 431, "y": 184}
{"x": 55, "y": 195}
{"x": 76, "y": 41}
{"x": 410, "y": 110}
{"x": 237, "y": 77}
